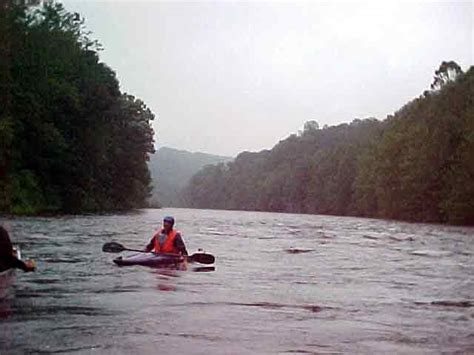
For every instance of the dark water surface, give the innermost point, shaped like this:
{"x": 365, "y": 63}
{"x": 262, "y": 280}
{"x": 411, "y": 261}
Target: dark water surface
{"x": 283, "y": 284}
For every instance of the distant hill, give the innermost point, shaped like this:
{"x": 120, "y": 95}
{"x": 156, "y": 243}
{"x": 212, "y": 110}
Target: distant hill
{"x": 171, "y": 170}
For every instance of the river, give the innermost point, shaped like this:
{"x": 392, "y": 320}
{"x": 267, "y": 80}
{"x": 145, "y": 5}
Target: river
{"x": 282, "y": 284}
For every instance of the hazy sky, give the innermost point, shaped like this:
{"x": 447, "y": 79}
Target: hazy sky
{"x": 224, "y": 77}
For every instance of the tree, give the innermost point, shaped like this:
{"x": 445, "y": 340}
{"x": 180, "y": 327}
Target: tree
{"x": 70, "y": 141}
{"x": 446, "y": 73}
{"x": 310, "y": 126}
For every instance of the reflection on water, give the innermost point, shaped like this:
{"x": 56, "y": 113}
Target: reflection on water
{"x": 281, "y": 284}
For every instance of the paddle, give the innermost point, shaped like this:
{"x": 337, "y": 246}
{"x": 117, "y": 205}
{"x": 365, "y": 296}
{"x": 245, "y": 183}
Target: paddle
{"x": 114, "y": 247}
{"x": 202, "y": 258}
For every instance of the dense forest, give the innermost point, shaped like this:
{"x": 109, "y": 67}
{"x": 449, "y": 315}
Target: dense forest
{"x": 416, "y": 165}
{"x": 70, "y": 141}
{"x": 171, "y": 170}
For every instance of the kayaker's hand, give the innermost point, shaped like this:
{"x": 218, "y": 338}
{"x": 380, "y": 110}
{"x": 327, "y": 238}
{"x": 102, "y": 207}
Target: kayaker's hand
{"x": 184, "y": 264}
{"x": 30, "y": 265}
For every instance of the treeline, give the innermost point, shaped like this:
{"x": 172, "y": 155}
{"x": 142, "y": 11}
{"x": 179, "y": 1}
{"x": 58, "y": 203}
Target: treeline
{"x": 70, "y": 141}
{"x": 417, "y": 165}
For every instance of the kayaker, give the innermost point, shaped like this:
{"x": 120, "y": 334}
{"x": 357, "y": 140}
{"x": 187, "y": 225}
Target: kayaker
{"x": 8, "y": 260}
{"x": 167, "y": 239}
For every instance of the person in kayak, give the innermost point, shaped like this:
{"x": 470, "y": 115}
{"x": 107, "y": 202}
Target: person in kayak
{"x": 167, "y": 239}
{"x": 8, "y": 260}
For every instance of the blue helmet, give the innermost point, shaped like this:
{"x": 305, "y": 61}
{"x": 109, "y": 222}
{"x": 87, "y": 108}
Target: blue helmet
{"x": 169, "y": 219}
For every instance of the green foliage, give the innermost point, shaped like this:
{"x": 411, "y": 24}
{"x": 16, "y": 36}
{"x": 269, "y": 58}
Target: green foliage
{"x": 27, "y": 196}
{"x": 70, "y": 140}
{"x": 311, "y": 173}
{"x": 458, "y": 202}
{"x": 417, "y": 165}
{"x": 422, "y": 164}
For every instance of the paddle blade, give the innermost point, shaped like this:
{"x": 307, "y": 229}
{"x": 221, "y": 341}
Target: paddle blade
{"x": 202, "y": 258}
{"x": 113, "y": 247}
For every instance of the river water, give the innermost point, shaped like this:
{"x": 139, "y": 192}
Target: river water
{"x": 282, "y": 284}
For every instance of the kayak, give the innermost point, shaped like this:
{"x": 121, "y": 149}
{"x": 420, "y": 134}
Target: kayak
{"x": 150, "y": 260}
{"x": 156, "y": 259}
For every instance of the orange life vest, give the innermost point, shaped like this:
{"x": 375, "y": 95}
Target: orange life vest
{"x": 168, "y": 246}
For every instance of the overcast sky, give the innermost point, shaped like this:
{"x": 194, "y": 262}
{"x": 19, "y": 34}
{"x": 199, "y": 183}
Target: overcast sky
{"x": 225, "y": 77}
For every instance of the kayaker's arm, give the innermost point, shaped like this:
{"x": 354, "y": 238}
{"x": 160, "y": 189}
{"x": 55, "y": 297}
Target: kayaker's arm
{"x": 179, "y": 244}
{"x": 6, "y": 248}
{"x": 13, "y": 262}
{"x": 150, "y": 245}
{"x": 7, "y": 259}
